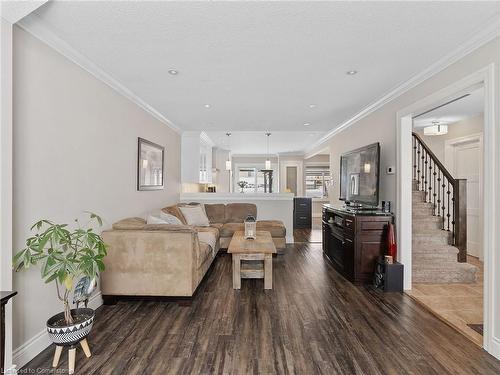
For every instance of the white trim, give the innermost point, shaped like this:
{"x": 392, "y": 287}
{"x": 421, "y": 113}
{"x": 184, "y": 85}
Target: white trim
{"x": 486, "y": 76}
{"x": 34, "y": 346}
{"x": 486, "y": 34}
{"x": 188, "y": 197}
{"x": 471, "y": 140}
{"x": 283, "y": 164}
{"x": 6, "y": 184}
{"x": 33, "y": 25}
{"x": 13, "y": 11}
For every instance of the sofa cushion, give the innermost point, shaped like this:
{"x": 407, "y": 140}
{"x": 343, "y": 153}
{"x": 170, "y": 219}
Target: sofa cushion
{"x": 131, "y": 223}
{"x": 156, "y": 220}
{"x": 237, "y": 212}
{"x": 195, "y": 215}
{"x": 175, "y": 211}
{"x": 169, "y": 218}
{"x": 228, "y": 229}
{"x": 205, "y": 253}
{"x": 275, "y": 227}
{"x": 216, "y": 212}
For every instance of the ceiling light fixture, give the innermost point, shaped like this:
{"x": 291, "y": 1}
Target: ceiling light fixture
{"x": 207, "y": 106}
{"x": 228, "y": 161}
{"x": 268, "y": 161}
{"x": 436, "y": 129}
{"x": 307, "y": 124}
{"x": 173, "y": 72}
{"x": 312, "y": 105}
{"x": 351, "y": 72}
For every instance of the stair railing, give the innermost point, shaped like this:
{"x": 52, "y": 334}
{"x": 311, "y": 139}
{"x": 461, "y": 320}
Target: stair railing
{"x": 447, "y": 195}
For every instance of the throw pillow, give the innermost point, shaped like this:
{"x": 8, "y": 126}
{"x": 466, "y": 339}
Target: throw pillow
{"x": 170, "y": 219}
{"x": 195, "y": 215}
{"x": 155, "y": 220}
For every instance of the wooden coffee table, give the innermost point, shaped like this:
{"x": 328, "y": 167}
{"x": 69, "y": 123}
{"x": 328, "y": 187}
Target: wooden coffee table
{"x": 252, "y": 259}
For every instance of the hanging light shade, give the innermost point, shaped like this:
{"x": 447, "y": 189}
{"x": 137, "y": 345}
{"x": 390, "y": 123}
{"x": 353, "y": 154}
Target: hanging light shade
{"x": 268, "y": 160}
{"x": 436, "y": 129}
{"x": 228, "y": 161}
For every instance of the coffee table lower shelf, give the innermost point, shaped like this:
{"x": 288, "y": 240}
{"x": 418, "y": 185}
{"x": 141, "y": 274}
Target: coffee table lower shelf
{"x": 253, "y": 266}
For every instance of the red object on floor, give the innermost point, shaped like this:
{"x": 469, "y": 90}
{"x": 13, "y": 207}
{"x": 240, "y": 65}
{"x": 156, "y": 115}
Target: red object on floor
{"x": 392, "y": 248}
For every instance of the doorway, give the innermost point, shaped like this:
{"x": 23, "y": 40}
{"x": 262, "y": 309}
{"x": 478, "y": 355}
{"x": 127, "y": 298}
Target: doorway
{"x": 451, "y": 286}
{"x": 291, "y": 179}
{"x": 482, "y": 78}
{"x": 464, "y": 156}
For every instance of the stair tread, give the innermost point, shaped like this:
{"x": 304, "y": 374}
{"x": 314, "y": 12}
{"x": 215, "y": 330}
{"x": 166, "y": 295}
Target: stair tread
{"x": 444, "y": 266}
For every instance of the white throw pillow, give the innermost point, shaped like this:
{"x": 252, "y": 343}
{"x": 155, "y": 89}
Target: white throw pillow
{"x": 170, "y": 219}
{"x": 155, "y": 220}
{"x": 195, "y": 216}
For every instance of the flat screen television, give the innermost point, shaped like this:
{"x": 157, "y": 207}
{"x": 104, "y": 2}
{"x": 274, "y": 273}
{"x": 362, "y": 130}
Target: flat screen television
{"x": 359, "y": 175}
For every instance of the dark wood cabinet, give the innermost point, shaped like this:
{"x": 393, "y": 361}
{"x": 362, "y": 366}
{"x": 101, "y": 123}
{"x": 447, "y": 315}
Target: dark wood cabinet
{"x": 302, "y": 213}
{"x": 353, "y": 241}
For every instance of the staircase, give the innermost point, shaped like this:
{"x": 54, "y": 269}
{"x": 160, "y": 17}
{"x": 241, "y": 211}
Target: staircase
{"x": 434, "y": 259}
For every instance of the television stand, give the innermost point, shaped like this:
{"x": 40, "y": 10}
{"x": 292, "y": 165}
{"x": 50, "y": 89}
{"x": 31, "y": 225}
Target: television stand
{"x": 353, "y": 240}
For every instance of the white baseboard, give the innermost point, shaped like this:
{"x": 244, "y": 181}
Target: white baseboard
{"x": 289, "y": 239}
{"x": 494, "y": 348}
{"x": 34, "y": 346}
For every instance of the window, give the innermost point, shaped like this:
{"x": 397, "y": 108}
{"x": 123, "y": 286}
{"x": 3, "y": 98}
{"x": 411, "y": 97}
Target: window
{"x": 317, "y": 181}
{"x": 252, "y": 179}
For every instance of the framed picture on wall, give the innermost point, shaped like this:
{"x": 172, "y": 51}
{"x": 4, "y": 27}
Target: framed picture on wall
{"x": 150, "y": 165}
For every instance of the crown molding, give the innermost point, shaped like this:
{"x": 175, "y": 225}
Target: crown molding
{"x": 488, "y": 33}
{"x": 13, "y": 11}
{"x": 33, "y": 25}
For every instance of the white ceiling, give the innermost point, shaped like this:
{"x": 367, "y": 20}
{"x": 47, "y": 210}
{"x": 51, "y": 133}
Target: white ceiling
{"x": 261, "y": 64}
{"x": 464, "y": 108}
{"x": 255, "y": 143}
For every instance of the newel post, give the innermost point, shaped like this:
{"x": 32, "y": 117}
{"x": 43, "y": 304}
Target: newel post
{"x": 460, "y": 214}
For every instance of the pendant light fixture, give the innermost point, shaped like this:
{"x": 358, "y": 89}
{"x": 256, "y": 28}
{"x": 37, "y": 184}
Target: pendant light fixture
{"x": 268, "y": 161}
{"x": 436, "y": 129}
{"x": 228, "y": 161}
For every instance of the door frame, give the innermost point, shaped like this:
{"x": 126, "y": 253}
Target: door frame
{"x": 449, "y": 161}
{"x": 484, "y": 77}
{"x": 300, "y": 175}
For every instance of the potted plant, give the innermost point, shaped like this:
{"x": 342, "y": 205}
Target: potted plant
{"x": 242, "y": 185}
{"x": 66, "y": 256}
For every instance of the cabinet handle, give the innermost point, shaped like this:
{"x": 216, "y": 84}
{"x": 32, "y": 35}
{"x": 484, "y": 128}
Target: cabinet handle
{"x": 302, "y": 217}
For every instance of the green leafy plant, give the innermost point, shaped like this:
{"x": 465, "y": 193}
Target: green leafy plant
{"x": 65, "y": 255}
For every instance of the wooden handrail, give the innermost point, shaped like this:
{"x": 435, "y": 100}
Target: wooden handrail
{"x": 435, "y": 180}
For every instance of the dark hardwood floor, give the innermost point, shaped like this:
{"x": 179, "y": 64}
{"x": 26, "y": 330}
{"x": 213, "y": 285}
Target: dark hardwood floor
{"x": 312, "y": 322}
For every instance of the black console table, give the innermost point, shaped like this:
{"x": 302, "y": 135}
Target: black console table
{"x": 4, "y": 297}
{"x": 354, "y": 240}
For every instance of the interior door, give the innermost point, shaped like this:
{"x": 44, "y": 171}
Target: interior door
{"x": 467, "y": 164}
{"x": 291, "y": 179}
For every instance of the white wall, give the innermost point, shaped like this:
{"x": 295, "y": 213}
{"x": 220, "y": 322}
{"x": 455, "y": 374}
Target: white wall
{"x": 380, "y": 126}
{"x": 75, "y": 149}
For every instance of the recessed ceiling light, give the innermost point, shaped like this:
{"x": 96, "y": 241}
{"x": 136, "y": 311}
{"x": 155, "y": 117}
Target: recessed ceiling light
{"x": 351, "y": 72}
{"x": 207, "y": 105}
{"x": 173, "y": 72}
{"x": 312, "y": 105}
{"x": 307, "y": 124}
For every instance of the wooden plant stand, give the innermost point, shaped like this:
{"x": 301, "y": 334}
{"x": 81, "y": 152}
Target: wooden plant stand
{"x": 71, "y": 355}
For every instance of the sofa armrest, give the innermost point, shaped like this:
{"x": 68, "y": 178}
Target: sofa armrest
{"x": 159, "y": 261}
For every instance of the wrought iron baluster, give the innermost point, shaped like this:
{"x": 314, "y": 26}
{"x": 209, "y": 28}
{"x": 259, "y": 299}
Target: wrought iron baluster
{"x": 448, "y": 192}
{"x": 434, "y": 173}
{"x": 426, "y": 173}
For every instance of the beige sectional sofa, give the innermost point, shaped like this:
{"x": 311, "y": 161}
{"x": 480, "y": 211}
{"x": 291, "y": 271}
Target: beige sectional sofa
{"x": 171, "y": 260}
